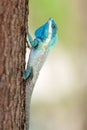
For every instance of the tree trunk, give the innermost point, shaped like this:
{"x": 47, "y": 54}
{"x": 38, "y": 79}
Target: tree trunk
{"x": 13, "y": 29}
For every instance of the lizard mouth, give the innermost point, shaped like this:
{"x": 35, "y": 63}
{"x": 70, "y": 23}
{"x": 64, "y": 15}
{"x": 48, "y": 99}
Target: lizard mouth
{"x": 54, "y": 26}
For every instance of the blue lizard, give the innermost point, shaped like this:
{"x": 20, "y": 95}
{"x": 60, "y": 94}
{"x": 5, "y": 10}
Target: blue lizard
{"x": 45, "y": 38}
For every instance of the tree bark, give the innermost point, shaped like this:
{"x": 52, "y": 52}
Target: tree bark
{"x": 13, "y": 29}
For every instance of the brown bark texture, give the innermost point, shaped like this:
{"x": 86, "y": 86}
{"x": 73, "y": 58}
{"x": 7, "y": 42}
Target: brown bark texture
{"x": 13, "y": 28}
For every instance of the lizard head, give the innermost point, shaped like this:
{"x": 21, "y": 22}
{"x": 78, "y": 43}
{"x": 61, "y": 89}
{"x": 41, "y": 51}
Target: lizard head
{"x": 47, "y": 31}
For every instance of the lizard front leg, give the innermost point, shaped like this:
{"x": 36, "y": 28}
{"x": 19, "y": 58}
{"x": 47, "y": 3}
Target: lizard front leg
{"x": 34, "y": 43}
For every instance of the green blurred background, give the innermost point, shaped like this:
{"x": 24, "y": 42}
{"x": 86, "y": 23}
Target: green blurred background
{"x": 59, "y": 99}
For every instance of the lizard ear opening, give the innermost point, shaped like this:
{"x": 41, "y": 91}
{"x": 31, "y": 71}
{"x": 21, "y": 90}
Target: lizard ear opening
{"x": 42, "y": 32}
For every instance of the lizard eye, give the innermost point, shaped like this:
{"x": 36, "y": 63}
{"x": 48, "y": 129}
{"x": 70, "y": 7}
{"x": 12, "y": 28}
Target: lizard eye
{"x": 53, "y": 26}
